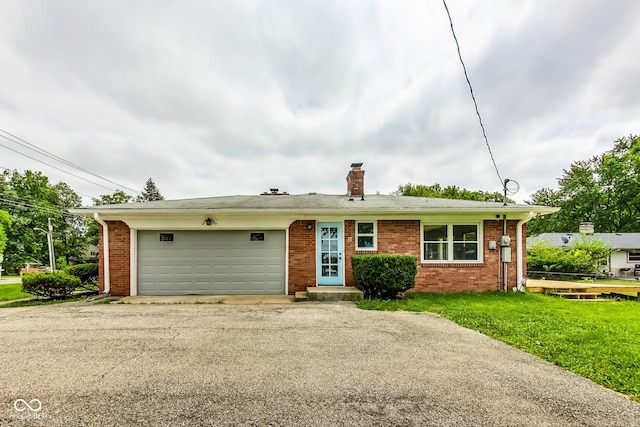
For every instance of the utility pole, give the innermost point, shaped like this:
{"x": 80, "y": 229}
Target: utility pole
{"x": 52, "y": 258}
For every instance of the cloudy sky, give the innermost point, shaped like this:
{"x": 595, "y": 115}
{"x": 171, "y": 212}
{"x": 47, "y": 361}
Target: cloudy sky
{"x": 234, "y": 97}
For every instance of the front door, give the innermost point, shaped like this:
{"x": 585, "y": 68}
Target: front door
{"x": 330, "y": 254}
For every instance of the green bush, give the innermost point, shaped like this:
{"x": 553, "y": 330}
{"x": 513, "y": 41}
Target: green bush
{"x": 583, "y": 256}
{"x": 87, "y": 273}
{"x": 50, "y": 285}
{"x": 384, "y": 276}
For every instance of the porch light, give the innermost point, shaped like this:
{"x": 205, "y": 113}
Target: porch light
{"x": 209, "y": 221}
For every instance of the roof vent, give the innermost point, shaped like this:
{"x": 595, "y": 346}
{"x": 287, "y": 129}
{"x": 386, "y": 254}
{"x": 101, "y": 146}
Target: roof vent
{"x": 274, "y": 192}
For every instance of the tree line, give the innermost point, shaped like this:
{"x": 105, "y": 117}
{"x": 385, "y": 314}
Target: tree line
{"x": 29, "y": 200}
{"x": 604, "y": 189}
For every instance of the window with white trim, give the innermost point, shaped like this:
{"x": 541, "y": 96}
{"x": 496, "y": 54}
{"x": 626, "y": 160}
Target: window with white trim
{"x": 366, "y": 236}
{"x": 633, "y": 256}
{"x": 450, "y": 243}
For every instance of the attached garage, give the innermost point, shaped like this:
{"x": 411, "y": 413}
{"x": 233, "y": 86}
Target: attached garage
{"x": 211, "y": 262}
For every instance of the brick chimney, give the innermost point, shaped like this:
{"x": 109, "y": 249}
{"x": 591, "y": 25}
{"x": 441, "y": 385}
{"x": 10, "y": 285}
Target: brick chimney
{"x": 355, "y": 180}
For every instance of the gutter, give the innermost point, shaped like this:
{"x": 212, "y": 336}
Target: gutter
{"x": 519, "y": 252}
{"x": 105, "y": 252}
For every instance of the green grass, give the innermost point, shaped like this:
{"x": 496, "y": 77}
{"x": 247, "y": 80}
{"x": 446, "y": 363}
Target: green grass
{"x": 599, "y": 340}
{"x": 12, "y": 291}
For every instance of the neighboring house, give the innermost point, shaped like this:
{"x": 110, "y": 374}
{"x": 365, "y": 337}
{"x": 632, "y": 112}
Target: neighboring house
{"x": 91, "y": 253}
{"x": 625, "y": 262}
{"x": 32, "y": 267}
{"x": 276, "y": 243}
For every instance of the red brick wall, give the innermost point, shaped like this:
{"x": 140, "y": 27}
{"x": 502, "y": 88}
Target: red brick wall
{"x": 403, "y": 237}
{"x": 119, "y": 258}
{"x": 302, "y": 256}
{"x": 471, "y": 277}
{"x": 394, "y": 237}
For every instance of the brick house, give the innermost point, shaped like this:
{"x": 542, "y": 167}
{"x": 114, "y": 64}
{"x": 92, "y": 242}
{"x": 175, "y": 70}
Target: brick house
{"x": 276, "y": 243}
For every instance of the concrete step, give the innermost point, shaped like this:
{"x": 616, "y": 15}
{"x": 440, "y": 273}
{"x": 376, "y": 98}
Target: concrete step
{"x": 333, "y": 293}
{"x": 301, "y": 296}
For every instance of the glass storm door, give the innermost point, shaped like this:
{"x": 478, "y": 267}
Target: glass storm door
{"x": 329, "y": 254}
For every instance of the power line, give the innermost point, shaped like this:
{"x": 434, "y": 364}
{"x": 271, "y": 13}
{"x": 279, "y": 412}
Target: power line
{"x": 26, "y": 144}
{"x": 52, "y": 166}
{"x": 28, "y": 205}
{"x": 25, "y": 203}
{"x": 464, "y": 68}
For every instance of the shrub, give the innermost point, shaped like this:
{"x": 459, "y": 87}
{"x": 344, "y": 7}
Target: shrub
{"x": 87, "y": 273}
{"x": 50, "y": 285}
{"x": 583, "y": 256}
{"x": 384, "y": 276}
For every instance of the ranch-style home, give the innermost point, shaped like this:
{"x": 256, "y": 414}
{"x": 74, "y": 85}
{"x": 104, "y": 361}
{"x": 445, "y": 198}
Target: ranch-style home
{"x": 279, "y": 243}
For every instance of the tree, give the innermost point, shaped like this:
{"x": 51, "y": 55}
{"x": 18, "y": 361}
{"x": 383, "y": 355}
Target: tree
{"x": 604, "y": 190}
{"x": 448, "y": 192}
{"x": 5, "y": 223}
{"x": 150, "y": 192}
{"x": 118, "y": 197}
{"x": 31, "y": 200}
{"x": 72, "y": 230}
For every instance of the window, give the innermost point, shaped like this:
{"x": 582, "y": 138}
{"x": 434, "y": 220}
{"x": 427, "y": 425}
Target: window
{"x": 634, "y": 256}
{"x": 366, "y": 235}
{"x": 257, "y": 237}
{"x": 450, "y": 242}
{"x": 166, "y": 237}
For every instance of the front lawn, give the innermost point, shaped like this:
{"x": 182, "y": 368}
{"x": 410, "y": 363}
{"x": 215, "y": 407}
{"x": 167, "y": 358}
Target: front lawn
{"x": 599, "y": 340}
{"x": 12, "y": 291}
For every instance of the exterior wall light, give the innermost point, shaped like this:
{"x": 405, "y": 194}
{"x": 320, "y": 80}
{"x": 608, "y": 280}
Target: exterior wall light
{"x": 209, "y": 221}
{"x": 309, "y": 226}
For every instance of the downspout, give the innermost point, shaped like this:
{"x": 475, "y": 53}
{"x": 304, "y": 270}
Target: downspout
{"x": 519, "y": 251}
{"x": 105, "y": 251}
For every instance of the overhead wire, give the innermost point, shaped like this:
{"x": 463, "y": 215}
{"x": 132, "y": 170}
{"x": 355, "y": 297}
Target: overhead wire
{"x": 25, "y": 203}
{"x": 26, "y": 144}
{"x": 55, "y": 167}
{"x": 475, "y": 103}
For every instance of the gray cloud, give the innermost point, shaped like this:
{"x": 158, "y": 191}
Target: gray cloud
{"x": 234, "y": 97}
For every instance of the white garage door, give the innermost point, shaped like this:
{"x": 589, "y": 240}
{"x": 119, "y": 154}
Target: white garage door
{"x": 211, "y": 262}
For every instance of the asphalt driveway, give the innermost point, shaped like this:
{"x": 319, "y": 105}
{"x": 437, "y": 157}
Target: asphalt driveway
{"x": 297, "y": 364}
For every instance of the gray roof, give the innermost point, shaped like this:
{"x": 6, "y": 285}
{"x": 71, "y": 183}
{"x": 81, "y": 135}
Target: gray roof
{"x": 317, "y": 202}
{"x": 561, "y": 240}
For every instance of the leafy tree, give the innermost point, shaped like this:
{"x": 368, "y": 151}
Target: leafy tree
{"x": 31, "y": 200}
{"x": 118, "y": 197}
{"x": 150, "y": 192}
{"x": 604, "y": 189}
{"x": 5, "y": 223}
{"x": 448, "y": 192}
